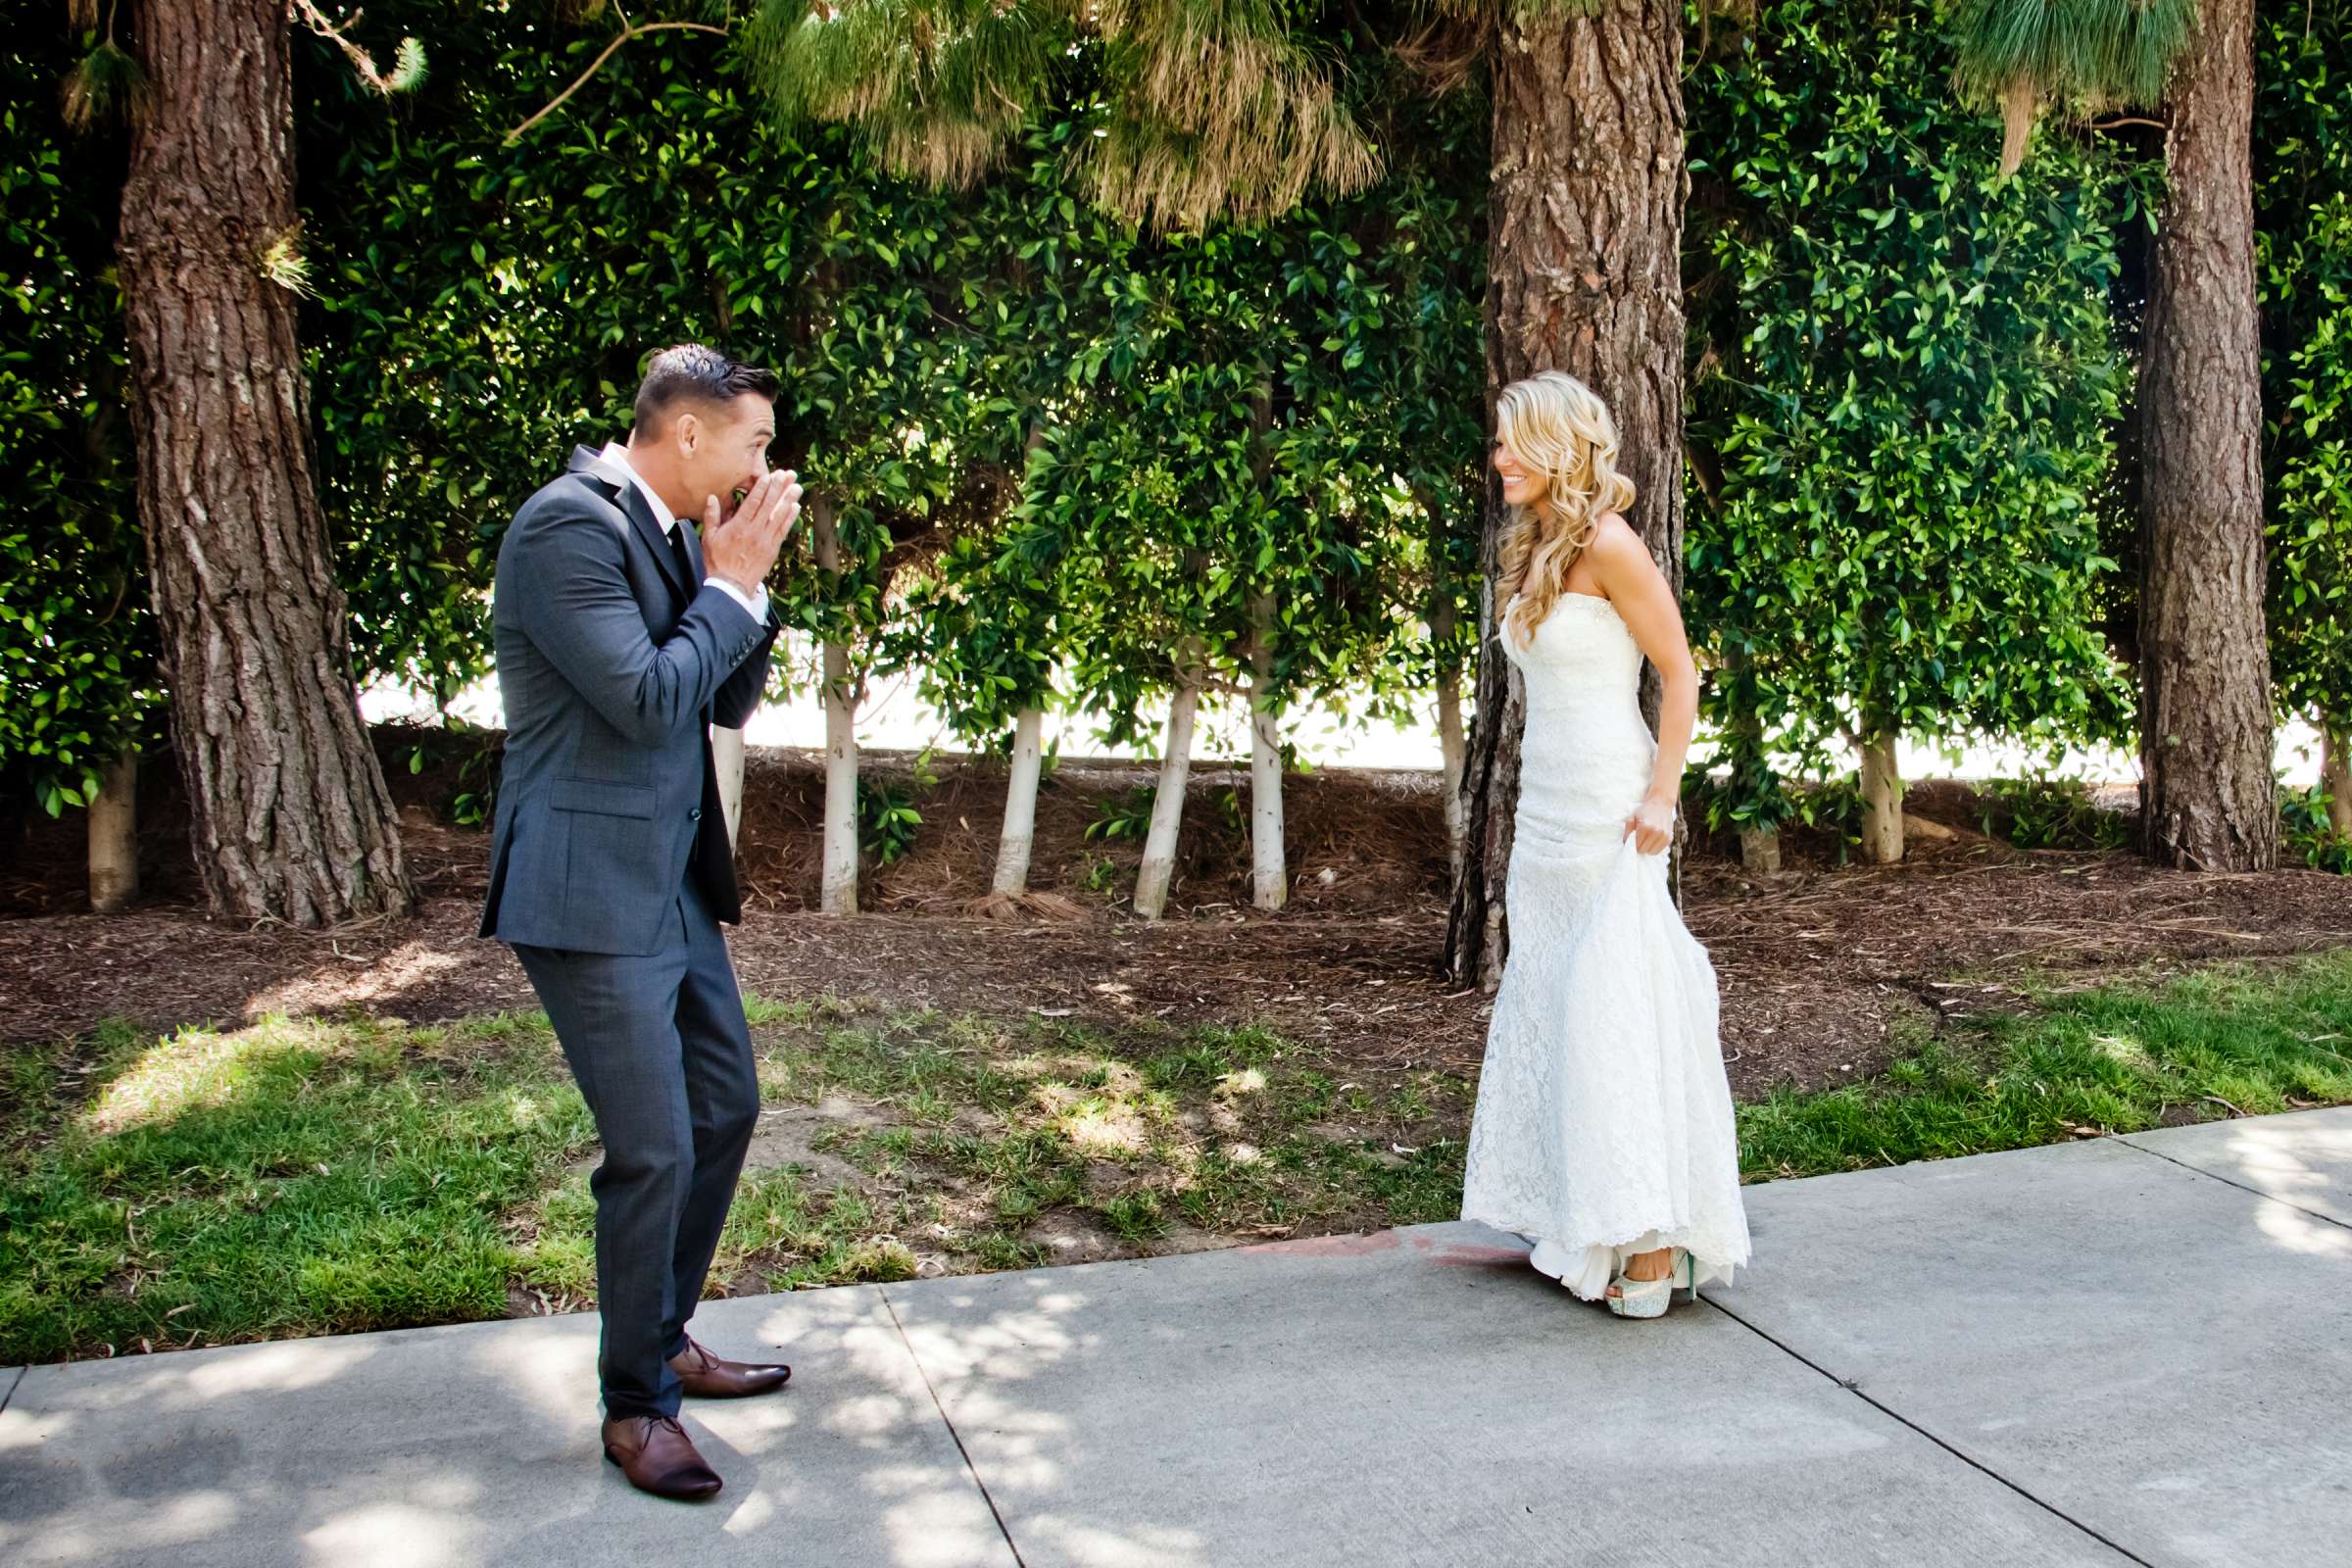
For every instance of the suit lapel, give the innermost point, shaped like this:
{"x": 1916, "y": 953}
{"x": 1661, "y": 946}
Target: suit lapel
{"x": 634, "y": 506}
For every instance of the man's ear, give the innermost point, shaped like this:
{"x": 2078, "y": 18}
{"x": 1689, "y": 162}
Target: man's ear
{"x": 687, "y": 432}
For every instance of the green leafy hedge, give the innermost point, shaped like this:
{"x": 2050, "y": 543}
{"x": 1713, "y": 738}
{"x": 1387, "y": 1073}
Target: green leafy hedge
{"x": 77, "y": 679}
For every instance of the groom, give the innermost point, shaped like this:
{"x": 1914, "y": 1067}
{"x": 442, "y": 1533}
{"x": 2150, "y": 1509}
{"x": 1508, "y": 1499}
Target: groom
{"x": 622, "y": 639}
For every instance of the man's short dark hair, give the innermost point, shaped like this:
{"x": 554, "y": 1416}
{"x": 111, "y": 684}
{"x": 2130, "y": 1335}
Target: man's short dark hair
{"x": 691, "y": 373}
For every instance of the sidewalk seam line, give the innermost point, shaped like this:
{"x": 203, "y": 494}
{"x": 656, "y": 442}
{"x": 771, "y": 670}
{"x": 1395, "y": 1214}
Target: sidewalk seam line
{"x": 970, "y": 1468}
{"x": 2214, "y": 1175}
{"x": 1896, "y": 1416}
{"x": 13, "y": 1384}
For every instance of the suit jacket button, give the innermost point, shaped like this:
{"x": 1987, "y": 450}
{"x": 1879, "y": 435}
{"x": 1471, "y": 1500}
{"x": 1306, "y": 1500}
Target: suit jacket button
{"x": 695, "y": 816}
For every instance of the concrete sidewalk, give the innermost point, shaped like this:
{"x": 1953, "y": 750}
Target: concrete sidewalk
{"x": 2125, "y": 1350}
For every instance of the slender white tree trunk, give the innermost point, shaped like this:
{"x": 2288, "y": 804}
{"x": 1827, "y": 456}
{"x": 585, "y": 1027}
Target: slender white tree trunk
{"x": 1167, "y": 807}
{"x": 114, "y": 829}
{"x": 1019, "y": 836}
{"x": 727, "y": 758}
{"x": 1882, "y": 800}
{"x": 1760, "y": 850}
{"x": 838, "y": 890}
{"x": 1269, "y": 874}
{"x": 839, "y": 893}
{"x": 2335, "y": 772}
{"x": 1451, "y": 741}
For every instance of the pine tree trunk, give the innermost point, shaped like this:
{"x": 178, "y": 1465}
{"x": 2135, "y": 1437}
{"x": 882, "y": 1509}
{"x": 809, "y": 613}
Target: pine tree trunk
{"x": 1015, "y": 842}
{"x": 1270, "y": 873}
{"x": 1159, "y": 869}
{"x": 1881, "y": 800}
{"x": 1584, "y": 275}
{"x": 113, "y": 833}
{"x": 2207, "y": 798}
{"x": 726, "y": 759}
{"x": 289, "y": 813}
{"x": 837, "y": 889}
{"x": 2336, "y": 774}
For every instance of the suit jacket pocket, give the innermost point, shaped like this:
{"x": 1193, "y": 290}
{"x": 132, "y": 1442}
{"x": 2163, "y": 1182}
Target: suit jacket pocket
{"x": 601, "y": 799}
{"x": 613, "y": 882}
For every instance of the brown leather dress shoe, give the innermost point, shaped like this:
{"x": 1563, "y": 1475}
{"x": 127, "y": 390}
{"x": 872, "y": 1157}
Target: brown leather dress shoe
{"x": 656, "y": 1455}
{"x": 707, "y": 1377}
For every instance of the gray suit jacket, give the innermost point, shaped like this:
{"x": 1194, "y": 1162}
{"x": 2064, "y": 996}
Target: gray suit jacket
{"x": 612, "y": 664}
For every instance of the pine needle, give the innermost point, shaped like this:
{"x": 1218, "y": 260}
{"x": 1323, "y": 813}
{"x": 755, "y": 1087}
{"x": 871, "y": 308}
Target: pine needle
{"x": 2078, "y": 57}
{"x": 1214, "y": 110}
{"x": 102, "y": 89}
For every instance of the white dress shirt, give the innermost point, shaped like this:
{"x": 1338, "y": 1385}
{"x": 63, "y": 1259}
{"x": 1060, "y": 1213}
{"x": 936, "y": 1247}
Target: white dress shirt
{"x": 754, "y": 605}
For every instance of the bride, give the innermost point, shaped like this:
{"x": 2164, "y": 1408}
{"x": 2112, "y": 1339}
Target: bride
{"x": 1603, "y": 1131}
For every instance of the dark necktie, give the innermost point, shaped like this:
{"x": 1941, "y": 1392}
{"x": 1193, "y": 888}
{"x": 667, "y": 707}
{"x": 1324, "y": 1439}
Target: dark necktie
{"x": 677, "y": 548}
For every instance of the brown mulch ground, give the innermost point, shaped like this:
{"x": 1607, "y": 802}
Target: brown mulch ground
{"x": 1815, "y": 965}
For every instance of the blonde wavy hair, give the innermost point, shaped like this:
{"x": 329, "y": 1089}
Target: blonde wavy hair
{"x": 1560, "y": 430}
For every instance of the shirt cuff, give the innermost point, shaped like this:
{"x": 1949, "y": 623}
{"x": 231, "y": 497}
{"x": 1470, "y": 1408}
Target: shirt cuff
{"x": 754, "y": 605}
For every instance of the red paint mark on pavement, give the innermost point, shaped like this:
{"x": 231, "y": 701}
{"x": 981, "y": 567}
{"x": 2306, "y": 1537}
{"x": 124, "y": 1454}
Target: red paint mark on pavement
{"x": 1332, "y": 1245}
{"x": 1450, "y": 1254}
{"x": 1466, "y": 1255}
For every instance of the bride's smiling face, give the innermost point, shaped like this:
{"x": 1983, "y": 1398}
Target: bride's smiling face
{"x": 1521, "y": 484}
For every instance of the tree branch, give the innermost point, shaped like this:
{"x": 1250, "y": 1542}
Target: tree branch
{"x": 408, "y": 68}
{"x": 2127, "y": 120}
{"x": 632, "y": 30}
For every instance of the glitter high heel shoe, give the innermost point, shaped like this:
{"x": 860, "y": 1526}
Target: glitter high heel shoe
{"x": 1651, "y": 1297}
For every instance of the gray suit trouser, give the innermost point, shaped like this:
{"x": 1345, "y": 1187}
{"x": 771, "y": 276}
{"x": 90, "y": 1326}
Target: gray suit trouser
{"x": 664, "y": 1059}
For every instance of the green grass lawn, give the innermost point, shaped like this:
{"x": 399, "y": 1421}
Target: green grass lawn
{"x": 2121, "y": 1058}
{"x": 302, "y": 1177}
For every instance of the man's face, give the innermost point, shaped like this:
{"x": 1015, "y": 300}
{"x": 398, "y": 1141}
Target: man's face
{"x": 724, "y": 448}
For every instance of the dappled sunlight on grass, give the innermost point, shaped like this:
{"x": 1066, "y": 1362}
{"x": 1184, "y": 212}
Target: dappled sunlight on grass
{"x": 301, "y": 1176}
{"x": 1107, "y": 1129}
{"x": 289, "y": 1177}
{"x": 198, "y": 1067}
{"x": 998, "y": 1143}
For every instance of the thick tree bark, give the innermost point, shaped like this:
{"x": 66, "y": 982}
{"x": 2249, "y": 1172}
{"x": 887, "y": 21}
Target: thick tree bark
{"x": 1017, "y": 841}
{"x": 290, "y": 816}
{"x": 1584, "y": 275}
{"x": 113, "y": 833}
{"x": 2207, "y": 798}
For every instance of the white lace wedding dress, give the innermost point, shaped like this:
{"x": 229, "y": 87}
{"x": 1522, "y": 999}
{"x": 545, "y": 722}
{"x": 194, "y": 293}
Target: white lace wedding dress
{"x": 1604, "y": 1124}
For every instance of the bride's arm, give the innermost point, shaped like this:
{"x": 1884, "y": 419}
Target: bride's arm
{"x": 1622, "y": 565}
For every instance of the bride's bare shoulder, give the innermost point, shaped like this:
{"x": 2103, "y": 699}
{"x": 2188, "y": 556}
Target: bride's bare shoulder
{"x": 1613, "y": 538}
